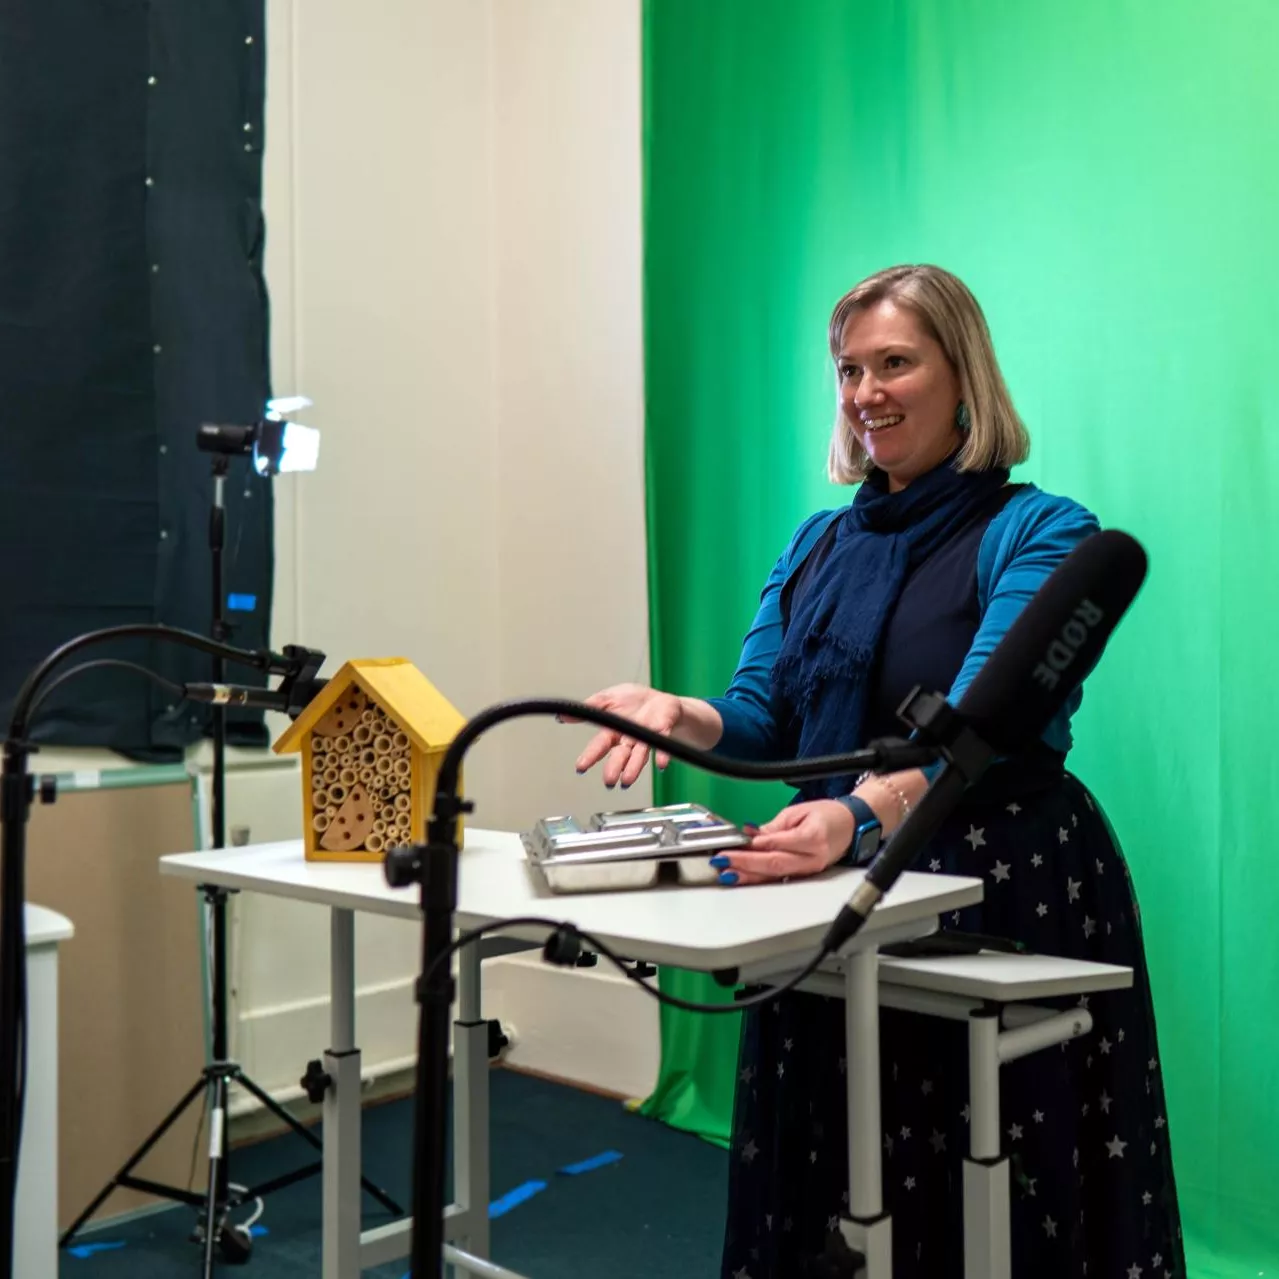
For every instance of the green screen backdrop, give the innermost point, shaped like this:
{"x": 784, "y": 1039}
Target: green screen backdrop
{"x": 1105, "y": 176}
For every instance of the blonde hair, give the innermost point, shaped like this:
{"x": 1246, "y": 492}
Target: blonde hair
{"x": 997, "y": 437}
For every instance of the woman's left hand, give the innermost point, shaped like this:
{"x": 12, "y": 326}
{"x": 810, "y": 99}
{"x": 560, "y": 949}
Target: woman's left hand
{"x": 803, "y": 839}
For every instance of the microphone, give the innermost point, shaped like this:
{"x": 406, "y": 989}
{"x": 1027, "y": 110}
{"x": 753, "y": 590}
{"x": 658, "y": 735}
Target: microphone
{"x": 1055, "y": 642}
{"x": 291, "y": 698}
{"x": 1048, "y": 651}
{"x": 236, "y": 695}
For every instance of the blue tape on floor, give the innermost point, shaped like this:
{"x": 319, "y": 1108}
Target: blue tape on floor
{"x": 258, "y": 1231}
{"x": 589, "y": 1165}
{"x": 88, "y": 1249}
{"x": 241, "y": 603}
{"x": 515, "y": 1197}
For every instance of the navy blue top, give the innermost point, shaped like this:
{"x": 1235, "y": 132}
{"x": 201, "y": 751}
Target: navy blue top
{"x": 954, "y": 609}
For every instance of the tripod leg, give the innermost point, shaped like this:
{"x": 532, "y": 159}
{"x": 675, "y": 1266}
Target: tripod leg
{"x": 303, "y": 1131}
{"x": 278, "y": 1111}
{"x": 135, "y": 1159}
{"x": 217, "y": 1151}
{"x": 382, "y": 1196}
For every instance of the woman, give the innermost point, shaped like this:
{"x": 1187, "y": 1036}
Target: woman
{"x": 913, "y": 584}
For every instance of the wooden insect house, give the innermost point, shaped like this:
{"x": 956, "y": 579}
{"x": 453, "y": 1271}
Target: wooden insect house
{"x": 372, "y": 743}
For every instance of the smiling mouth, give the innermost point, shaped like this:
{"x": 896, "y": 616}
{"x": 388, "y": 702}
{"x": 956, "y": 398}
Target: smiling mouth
{"x": 882, "y": 423}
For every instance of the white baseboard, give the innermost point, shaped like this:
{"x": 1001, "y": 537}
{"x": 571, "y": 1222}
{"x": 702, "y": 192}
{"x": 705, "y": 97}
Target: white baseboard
{"x": 586, "y": 1026}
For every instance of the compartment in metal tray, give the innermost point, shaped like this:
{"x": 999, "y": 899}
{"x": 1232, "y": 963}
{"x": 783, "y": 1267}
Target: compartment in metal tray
{"x": 634, "y": 848}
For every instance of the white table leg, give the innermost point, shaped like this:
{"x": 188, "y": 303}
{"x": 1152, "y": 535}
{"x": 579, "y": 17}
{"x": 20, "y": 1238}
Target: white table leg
{"x": 471, "y": 1106}
{"x": 987, "y": 1228}
{"x": 342, "y": 1158}
{"x": 866, "y": 1228}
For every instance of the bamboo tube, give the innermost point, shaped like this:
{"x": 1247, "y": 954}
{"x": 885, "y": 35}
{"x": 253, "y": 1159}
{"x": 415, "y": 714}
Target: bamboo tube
{"x": 368, "y": 777}
{"x": 331, "y": 811}
{"x": 379, "y": 825}
{"x": 400, "y": 741}
{"x": 331, "y": 774}
{"x": 404, "y": 822}
{"x": 320, "y": 822}
{"x": 319, "y": 744}
{"x": 320, "y": 798}
{"x": 348, "y": 777}
{"x": 385, "y": 765}
{"x": 362, "y": 734}
{"x": 342, "y": 744}
{"x": 317, "y": 775}
{"x": 369, "y": 716}
{"x": 337, "y": 793}
{"x": 403, "y": 767}
{"x": 403, "y": 803}
{"x": 382, "y": 744}
{"x": 388, "y": 815}
{"x": 373, "y": 842}
{"x": 368, "y": 757}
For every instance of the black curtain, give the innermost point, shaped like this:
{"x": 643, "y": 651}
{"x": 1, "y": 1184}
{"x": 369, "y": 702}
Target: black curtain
{"x": 132, "y": 309}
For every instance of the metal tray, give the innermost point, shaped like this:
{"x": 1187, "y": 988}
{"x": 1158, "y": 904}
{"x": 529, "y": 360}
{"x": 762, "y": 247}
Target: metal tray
{"x": 635, "y": 848}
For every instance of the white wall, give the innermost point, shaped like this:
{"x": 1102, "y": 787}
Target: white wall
{"x": 453, "y": 256}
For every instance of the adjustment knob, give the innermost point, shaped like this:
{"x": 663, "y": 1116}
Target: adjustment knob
{"x": 315, "y": 1083}
{"x": 403, "y": 866}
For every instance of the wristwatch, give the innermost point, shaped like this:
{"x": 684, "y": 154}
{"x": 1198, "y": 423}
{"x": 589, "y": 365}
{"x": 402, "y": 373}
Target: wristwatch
{"x": 867, "y": 831}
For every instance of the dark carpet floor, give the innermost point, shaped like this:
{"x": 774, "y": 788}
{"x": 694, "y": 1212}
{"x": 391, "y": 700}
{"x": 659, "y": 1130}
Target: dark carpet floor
{"x": 655, "y": 1212}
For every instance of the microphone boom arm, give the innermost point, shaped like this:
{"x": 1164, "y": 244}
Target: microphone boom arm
{"x": 434, "y": 867}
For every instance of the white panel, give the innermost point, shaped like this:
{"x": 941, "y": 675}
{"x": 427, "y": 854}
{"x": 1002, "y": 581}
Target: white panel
{"x": 453, "y": 202}
{"x": 392, "y": 220}
{"x": 569, "y": 382}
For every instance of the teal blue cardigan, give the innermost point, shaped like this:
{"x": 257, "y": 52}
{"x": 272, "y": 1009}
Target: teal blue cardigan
{"x": 1033, "y": 533}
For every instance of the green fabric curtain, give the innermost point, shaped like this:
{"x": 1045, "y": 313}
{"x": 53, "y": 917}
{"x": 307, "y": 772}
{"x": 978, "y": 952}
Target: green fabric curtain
{"x": 1104, "y": 177}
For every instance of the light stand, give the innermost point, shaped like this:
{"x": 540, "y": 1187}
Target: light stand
{"x": 267, "y": 443}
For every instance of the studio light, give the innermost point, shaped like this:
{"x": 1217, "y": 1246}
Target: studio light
{"x": 276, "y": 444}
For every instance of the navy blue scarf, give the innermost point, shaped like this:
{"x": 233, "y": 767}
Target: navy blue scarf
{"x": 828, "y": 652}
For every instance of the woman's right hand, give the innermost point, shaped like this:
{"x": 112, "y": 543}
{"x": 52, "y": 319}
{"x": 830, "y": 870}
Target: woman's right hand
{"x": 624, "y": 757}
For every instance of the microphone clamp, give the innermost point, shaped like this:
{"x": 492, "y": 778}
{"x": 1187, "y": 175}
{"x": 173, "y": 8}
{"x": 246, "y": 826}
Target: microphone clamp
{"x": 939, "y": 725}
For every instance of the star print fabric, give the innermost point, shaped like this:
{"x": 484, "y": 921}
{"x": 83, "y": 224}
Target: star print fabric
{"x": 1084, "y": 1126}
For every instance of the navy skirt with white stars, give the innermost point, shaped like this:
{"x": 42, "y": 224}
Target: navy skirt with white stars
{"x": 1084, "y": 1125}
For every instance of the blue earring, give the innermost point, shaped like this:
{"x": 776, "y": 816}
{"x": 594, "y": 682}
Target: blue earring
{"x": 962, "y": 421}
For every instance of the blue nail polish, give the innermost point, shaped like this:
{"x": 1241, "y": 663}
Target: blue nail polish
{"x": 719, "y": 862}
{"x": 728, "y": 877}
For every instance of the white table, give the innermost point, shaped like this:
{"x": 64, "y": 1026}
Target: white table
{"x": 704, "y": 929}
{"x": 36, "y": 1210}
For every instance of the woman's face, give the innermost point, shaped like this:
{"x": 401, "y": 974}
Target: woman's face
{"x": 898, "y": 391}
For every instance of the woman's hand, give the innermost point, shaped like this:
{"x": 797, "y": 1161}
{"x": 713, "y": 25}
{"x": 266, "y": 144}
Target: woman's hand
{"x": 804, "y": 839}
{"x": 624, "y": 757}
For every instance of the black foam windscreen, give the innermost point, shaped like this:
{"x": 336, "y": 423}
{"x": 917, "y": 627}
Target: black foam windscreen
{"x": 1055, "y": 641}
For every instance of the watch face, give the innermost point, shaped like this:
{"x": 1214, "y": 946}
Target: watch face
{"x": 867, "y": 839}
